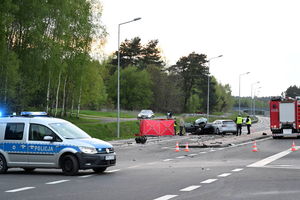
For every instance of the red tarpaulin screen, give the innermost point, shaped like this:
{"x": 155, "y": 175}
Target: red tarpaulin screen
{"x": 158, "y": 127}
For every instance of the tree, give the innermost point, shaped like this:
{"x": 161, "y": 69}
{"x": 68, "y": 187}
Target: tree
{"x": 133, "y": 53}
{"x": 193, "y": 72}
{"x": 166, "y": 96}
{"x": 135, "y": 88}
{"x": 292, "y": 91}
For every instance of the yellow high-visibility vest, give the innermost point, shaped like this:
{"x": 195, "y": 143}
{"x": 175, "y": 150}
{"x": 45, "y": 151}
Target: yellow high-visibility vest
{"x": 249, "y": 121}
{"x": 239, "y": 120}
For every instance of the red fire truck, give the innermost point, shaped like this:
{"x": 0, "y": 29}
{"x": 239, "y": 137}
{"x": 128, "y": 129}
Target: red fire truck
{"x": 285, "y": 117}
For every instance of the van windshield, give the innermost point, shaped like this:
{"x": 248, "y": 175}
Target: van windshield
{"x": 69, "y": 131}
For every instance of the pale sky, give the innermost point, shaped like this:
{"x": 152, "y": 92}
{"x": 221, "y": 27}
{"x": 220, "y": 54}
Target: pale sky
{"x": 259, "y": 36}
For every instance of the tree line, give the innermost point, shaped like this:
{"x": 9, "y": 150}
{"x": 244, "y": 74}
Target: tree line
{"x": 45, "y": 64}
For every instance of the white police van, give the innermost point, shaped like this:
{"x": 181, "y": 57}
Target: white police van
{"x": 34, "y": 140}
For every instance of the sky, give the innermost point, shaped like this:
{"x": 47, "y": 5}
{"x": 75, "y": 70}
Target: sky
{"x": 257, "y": 36}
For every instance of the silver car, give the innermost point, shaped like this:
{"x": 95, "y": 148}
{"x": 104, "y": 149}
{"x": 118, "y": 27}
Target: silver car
{"x": 224, "y": 126}
{"x": 145, "y": 114}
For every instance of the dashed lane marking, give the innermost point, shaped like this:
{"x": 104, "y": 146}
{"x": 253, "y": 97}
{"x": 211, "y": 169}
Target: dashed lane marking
{"x": 193, "y": 154}
{"x": 203, "y": 152}
{"x": 20, "y": 189}
{"x": 57, "y": 182}
{"x": 209, "y": 181}
{"x": 86, "y": 176}
{"x": 135, "y": 166}
{"x": 112, "y": 171}
{"x": 190, "y": 188}
{"x": 224, "y": 175}
{"x": 166, "y": 160}
{"x": 237, "y": 170}
{"x": 166, "y": 197}
{"x": 180, "y": 157}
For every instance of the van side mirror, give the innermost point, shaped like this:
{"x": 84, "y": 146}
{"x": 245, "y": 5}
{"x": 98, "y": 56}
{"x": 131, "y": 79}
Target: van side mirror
{"x": 48, "y": 138}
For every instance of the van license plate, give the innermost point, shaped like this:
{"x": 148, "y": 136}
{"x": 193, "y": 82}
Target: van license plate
{"x": 109, "y": 157}
{"x": 287, "y": 131}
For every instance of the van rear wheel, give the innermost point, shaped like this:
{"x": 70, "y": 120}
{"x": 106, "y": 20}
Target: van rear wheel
{"x": 69, "y": 165}
{"x": 3, "y": 165}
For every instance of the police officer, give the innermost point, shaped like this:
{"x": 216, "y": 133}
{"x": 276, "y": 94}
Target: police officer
{"x": 239, "y": 122}
{"x": 248, "y": 123}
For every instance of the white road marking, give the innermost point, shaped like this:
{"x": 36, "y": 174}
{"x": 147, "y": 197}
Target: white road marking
{"x": 20, "y": 189}
{"x": 180, "y": 157}
{"x": 135, "y": 166}
{"x": 224, "y": 175}
{"x": 190, "y": 188}
{"x": 57, "y": 182}
{"x": 221, "y": 149}
{"x": 237, "y": 170}
{"x": 209, "y": 181}
{"x": 193, "y": 154}
{"x": 86, "y": 176}
{"x": 270, "y": 159}
{"x": 112, "y": 171}
{"x": 166, "y": 197}
{"x": 166, "y": 160}
{"x": 212, "y": 150}
{"x": 152, "y": 163}
{"x": 203, "y": 152}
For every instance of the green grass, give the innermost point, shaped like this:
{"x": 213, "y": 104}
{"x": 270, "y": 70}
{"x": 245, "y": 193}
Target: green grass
{"x": 106, "y": 131}
{"x": 127, "y": 114}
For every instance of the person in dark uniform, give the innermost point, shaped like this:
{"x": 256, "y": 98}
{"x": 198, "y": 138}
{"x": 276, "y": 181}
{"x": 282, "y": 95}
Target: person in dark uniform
{"x": 239, "y": 122}
{"x": 248, "y": 123}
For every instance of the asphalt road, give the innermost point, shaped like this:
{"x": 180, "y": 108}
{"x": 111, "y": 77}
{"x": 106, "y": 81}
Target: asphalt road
{"x": 156, "y": 171}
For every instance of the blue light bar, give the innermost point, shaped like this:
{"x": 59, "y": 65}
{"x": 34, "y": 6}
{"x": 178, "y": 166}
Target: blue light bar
{"x": 27, "y": 113}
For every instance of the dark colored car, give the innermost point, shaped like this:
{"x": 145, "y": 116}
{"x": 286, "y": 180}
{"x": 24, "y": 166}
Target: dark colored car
{"x": 200, "y": 126}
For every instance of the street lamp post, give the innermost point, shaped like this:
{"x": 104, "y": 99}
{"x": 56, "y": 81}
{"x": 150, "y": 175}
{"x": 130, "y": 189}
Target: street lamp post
{"x": 252, "y": 95}
{"x": 240, "y": 90}
{"x": 254, "y": 99}
{"x": 207, "y": 114}
{"x": 118, "y": 89}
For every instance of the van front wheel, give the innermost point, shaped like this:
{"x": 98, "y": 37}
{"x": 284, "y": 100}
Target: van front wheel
{"x": 3, "y": 165}
{"x": 69, "y": 165}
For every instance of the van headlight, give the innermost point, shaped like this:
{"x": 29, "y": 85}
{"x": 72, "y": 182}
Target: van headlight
{"x": 89, "y": 150}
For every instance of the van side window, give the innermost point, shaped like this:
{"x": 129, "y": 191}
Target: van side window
{"x": 37, "y": 132}
{"x": 14, "y": 131}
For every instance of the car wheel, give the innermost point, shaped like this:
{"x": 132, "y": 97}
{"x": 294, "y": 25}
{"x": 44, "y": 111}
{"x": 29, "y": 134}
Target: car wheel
{"x": 99, "y": 169}
{"x": 28, "y": 169}
{"x": 69, "y": 165}
{"x": 217, "y": 131}
{"x": 3, "y": 165}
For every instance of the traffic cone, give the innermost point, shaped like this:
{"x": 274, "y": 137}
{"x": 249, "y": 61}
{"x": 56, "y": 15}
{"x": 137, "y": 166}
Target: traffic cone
{"x": 186, "y": 147}
{"x": 254, "y": 147}
{"x": 177, "y": 147}
{"x": 293, "y": 147}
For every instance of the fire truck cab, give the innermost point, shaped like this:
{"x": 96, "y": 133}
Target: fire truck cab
{"x": 285, "y": 117}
